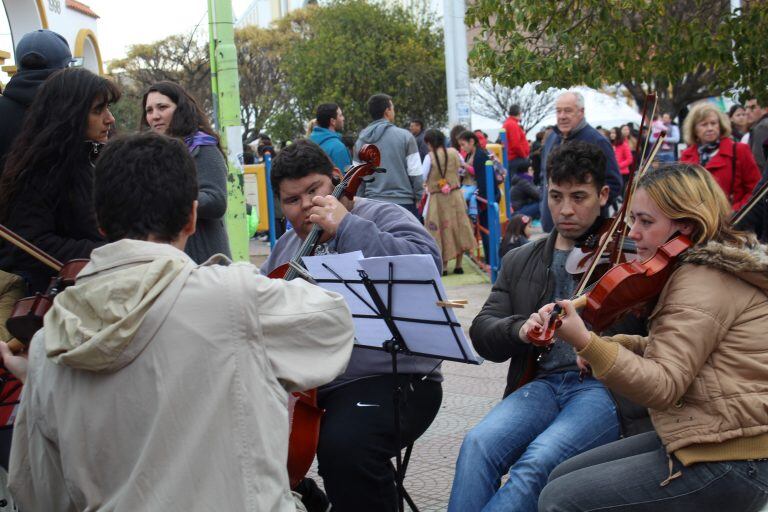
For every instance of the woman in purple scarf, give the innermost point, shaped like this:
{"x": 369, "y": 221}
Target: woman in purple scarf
{"x": 170, "y": 110}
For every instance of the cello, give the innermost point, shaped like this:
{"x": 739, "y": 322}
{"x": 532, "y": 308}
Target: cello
{"x": 303, "y": 412}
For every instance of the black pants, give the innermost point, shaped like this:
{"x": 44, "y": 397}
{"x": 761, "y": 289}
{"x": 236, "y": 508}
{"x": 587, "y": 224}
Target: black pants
{"x": 357, "y": 438}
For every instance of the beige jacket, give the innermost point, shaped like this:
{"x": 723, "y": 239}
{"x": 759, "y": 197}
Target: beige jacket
{"x": 704, "y": 366}
{"x": 159, "y": 385}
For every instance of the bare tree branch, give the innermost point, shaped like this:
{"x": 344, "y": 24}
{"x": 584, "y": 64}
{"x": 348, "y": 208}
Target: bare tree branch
{"x": 493, "y": 100}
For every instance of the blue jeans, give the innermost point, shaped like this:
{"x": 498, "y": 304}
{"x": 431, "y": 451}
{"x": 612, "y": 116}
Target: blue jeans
{"x": 626, "y": 475}
{"x": 530, "y": 432}
{"x": 470, "y": 197}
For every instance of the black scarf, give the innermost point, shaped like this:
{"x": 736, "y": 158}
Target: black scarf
{"x": 707, "y": 150}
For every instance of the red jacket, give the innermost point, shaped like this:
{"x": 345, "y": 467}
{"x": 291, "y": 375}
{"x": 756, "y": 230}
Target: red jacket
{"x": 517, "y": 144}
{"x": 722, "y": 167}
{"x": 623, "y": 157}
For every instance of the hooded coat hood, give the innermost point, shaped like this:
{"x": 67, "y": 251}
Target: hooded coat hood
{"x": 22, "y": 87}
{"x": 96, "y": 325}
{"x": 749, "y": 264}
{"x": 372, "y": 133}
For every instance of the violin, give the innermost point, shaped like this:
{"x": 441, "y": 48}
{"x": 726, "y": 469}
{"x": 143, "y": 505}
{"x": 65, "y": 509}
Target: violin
{"x": 27, "y": 318}
{"x": 28, "y": 313}
{"x": 303, "y": 411}
{"x": 624, "y": 287}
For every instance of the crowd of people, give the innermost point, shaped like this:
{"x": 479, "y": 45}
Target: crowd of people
{"x": 162, "y": 379}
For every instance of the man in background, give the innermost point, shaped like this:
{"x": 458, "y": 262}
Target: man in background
{"x": 327, "y": 134}
{"x": 403, "y": 183}
{"x": 38, "y": 55}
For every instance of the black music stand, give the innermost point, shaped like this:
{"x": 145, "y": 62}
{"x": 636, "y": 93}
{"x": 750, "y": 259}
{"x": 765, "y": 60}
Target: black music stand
{"x": 397, "y": 344}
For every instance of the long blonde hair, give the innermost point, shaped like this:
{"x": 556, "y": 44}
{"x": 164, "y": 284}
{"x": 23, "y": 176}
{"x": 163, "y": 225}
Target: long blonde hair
{"x": 688, "y": 192}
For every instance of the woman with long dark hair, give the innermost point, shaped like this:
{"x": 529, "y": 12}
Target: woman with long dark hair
{"x": 446, "y": 218}
{"x": 170, "y": 110}
{"x": 46, "y": 186}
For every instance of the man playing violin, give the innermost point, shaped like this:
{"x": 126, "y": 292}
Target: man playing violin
{"x": 357, "y": 435}
{"x": 157, "y": 384}
{"x": 548, "y": 412}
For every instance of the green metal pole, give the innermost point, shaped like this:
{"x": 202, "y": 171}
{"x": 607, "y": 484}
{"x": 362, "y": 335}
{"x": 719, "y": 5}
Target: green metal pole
{"x": 226, "y": 101}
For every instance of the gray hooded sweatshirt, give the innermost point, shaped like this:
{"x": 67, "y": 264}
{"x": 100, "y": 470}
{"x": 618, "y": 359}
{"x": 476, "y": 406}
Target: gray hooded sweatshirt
{"x": 403, "y": 182}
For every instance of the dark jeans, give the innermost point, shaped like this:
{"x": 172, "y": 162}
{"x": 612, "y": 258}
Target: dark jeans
{"x": 626, "y": 475}
{"x": 357, "y": 438}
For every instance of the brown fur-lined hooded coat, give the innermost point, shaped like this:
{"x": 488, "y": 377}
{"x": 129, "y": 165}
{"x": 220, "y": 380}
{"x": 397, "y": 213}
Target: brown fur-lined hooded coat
{"x": 704, "y": 367}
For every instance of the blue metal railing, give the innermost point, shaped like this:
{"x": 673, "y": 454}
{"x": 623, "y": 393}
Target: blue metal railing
{"x": 270, "y": 199}
{"x": 494, "y": 225}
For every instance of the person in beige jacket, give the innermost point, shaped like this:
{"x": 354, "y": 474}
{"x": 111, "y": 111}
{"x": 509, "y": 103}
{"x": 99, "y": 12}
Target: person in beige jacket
{"x": 158, "y": 384}
{"x": 702, "y": 370}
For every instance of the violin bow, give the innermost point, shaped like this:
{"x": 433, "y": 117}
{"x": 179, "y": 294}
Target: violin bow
{"x": 756, "y": 198}
{"x": 30, "y": 249}
{"x": 619, "y": 221}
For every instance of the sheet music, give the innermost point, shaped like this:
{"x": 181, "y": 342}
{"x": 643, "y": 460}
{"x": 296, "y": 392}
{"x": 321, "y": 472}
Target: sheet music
{"x": 411, "y": 302}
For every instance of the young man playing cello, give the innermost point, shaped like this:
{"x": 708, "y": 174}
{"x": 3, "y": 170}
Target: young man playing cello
{"x": 157, "y": 384}
{"x": 556, "y": 415}
{"x": 357, "y": 437}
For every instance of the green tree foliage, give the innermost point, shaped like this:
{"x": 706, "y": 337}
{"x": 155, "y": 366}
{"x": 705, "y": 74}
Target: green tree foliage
{"x": 264, "y": 94}
{"x": 682, "y": 49}
{"x": 342, "y": 52}
{"x": 350, "y": 49}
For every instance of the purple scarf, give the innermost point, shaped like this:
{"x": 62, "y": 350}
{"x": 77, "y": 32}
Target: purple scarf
{"x": 199, "y": 139}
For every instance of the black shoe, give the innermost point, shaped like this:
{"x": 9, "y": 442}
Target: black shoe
{"x": 458, "y": 270}
{"x": 445, "y": 273}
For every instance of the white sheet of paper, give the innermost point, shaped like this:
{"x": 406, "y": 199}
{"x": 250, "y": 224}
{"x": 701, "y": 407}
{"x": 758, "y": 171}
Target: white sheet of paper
{"x": 368, "y": 331}
{"x": 410, "y": 302}
{"x": 419, "y": 302}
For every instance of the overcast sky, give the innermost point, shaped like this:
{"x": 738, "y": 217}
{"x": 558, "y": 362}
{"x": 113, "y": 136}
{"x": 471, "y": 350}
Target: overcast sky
{"x": 139, "y": 21}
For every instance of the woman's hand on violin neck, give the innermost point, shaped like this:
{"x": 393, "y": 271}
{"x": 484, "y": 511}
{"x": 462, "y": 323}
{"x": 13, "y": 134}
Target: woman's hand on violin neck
{"x": 17, "y": 365}
{"x": 327, "y": 212}
{"x": 572, "y": 329}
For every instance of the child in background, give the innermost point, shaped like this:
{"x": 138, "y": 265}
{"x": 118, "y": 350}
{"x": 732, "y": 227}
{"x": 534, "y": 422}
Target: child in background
{"x": 518, "y": 232}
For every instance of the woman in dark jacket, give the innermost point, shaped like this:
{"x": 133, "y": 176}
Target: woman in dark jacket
{"x": 170, "y": 110}
{"x": 46, "y": 186}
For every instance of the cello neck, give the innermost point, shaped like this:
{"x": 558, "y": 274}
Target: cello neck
{"x": 309, "y": 244}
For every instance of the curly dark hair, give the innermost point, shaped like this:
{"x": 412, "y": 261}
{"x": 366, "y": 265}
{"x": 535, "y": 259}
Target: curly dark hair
{"x": 188, "y": 118}
{"x": 297, "y": 160}
{"x": 51, "y": 143}
{"x": 145, "y": 185}
{"x": 577, "y": 162}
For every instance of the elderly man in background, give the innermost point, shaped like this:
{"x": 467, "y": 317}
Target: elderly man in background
{"x": 571, "y": 125}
